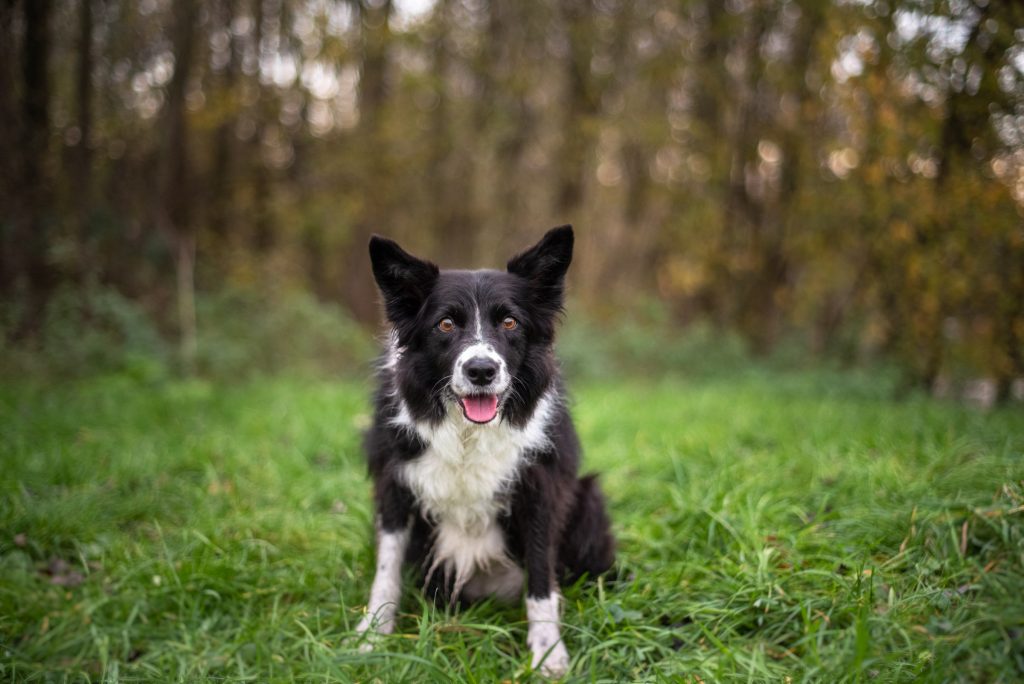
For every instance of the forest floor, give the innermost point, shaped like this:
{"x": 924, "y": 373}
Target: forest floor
{"x": 771, "y": 528}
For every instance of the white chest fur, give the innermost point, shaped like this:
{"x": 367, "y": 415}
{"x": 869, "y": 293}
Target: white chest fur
{"x": 462, "y": 480}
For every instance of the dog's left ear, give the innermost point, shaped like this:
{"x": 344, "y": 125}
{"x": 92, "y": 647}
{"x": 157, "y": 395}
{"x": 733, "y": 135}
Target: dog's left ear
{"x": 545, "y": 264}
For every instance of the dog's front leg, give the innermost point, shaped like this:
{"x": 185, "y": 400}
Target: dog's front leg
{"x": 543, "y": 636}
{"x": 387, "y": 582}
{"x": 393, "y": 508}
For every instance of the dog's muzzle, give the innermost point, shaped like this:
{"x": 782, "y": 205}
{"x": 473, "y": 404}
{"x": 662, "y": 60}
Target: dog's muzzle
{"x": 478, "y": 381}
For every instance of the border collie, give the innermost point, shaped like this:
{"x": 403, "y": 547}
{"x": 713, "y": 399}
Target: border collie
{"x": 472, "y": 451}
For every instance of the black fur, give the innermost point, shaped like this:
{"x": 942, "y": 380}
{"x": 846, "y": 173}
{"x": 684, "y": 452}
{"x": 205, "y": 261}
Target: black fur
{"x": 555, "y": 525}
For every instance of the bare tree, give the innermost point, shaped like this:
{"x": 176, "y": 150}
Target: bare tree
{"x": 221, "y": 193}
{"x": 84, "y": 91}
{"x": 372, "y": 145}
{"x": 33, "y": 274}
{"x": 175, "y": 210}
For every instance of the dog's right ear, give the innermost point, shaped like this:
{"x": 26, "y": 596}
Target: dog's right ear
{"x": 404, "y": 280}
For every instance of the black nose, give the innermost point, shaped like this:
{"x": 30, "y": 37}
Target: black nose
{"x": 480, "y": 370}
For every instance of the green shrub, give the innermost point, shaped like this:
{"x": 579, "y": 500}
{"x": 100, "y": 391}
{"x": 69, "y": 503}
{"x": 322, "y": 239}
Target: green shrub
{"x": 592, "y": 349}
{"x": 240, "y": 333}
{"x": 85, "y": 330}
{"x": 247, "y": 332}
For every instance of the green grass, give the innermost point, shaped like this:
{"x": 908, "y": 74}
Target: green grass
{"x": 771, "y": 528}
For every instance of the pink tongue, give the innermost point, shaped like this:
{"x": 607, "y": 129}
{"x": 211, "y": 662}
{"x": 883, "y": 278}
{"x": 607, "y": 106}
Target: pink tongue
{"x": 480, "y": 409}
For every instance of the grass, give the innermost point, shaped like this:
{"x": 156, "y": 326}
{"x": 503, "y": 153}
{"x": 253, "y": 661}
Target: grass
{"x": 771, "y": 528}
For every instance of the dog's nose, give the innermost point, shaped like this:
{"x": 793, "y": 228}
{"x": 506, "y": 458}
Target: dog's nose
{"x": 480, "y": 370}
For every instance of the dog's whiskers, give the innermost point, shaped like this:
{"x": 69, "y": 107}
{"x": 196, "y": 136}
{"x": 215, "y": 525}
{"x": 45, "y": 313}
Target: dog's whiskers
{"x": 440, "y": 386}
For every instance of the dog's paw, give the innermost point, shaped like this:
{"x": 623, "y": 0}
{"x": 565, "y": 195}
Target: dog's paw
{"x": 365, "y": 635}
{"x": 552, "y": 661}
{"x": 365, "y": 625}
{"x": 369, "y": 632}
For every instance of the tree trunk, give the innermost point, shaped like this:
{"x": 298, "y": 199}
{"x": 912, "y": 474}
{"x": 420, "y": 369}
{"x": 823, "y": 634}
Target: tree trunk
{"x": 712, "y": 97}
{"x": 263, "y": 233}
{"x": 744, "y": 220}
{"x": 10, "y": 161}
{"x": 83, "y": 171}
{"x": 36, "y": 93}
{"x": 372, "y": 145}
{"x": 581, "y": 106}
{"x": 32, "y": 239}
{"x": 221, "y": 199}
{"x": 774, "y": 266}
{"x": 176, "y": 198}
{"x": 450, "y": 197}
{"x": 504, "y": 118}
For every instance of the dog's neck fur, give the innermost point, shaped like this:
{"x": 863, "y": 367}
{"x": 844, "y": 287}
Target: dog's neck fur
{"x": 462, "y": 477}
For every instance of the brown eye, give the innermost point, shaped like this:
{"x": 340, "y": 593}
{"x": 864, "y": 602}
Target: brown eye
{"x": 509, "y": 323}
{"x": 446, "y": 325}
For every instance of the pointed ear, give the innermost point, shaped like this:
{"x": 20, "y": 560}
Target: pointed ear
{"x": 545, "y": 263}
{"x": 404, "y": 280}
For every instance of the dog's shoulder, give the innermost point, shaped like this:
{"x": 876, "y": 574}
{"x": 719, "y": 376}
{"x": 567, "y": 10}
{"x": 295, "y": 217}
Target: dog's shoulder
{"x": 390, "y": 438}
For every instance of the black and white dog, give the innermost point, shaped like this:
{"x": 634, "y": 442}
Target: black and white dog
{"x": 472, "y": 451}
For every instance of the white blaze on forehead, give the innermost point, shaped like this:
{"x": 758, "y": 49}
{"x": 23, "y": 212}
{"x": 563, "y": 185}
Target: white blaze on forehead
{"x": 478, "y": 349}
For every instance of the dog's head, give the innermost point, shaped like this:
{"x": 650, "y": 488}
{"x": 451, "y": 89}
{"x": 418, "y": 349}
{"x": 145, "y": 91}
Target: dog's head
{"x": 481, "y": 339}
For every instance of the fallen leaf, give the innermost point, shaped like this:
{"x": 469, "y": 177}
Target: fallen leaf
{"x": 62, "y": 574}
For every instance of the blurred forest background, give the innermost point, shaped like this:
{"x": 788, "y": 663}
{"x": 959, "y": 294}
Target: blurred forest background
{"x": 190, "y": 185}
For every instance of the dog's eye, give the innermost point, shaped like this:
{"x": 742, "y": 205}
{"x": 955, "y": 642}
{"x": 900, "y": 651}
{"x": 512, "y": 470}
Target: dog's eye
{"x": 509, "y": 323}
{"x": 446, "y": 325}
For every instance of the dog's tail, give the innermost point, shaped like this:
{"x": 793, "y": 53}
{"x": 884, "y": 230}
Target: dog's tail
{"x": 588, "y": 547}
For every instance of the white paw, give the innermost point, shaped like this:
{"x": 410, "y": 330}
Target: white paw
{"x": 370, "y": 629}
{"x": 552, "y": 661}
{"x": 365, "y": 623}
{"x": 365, "y": 636}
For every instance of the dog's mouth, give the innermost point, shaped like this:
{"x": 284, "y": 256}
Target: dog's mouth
{"x": 479, "y": 408}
